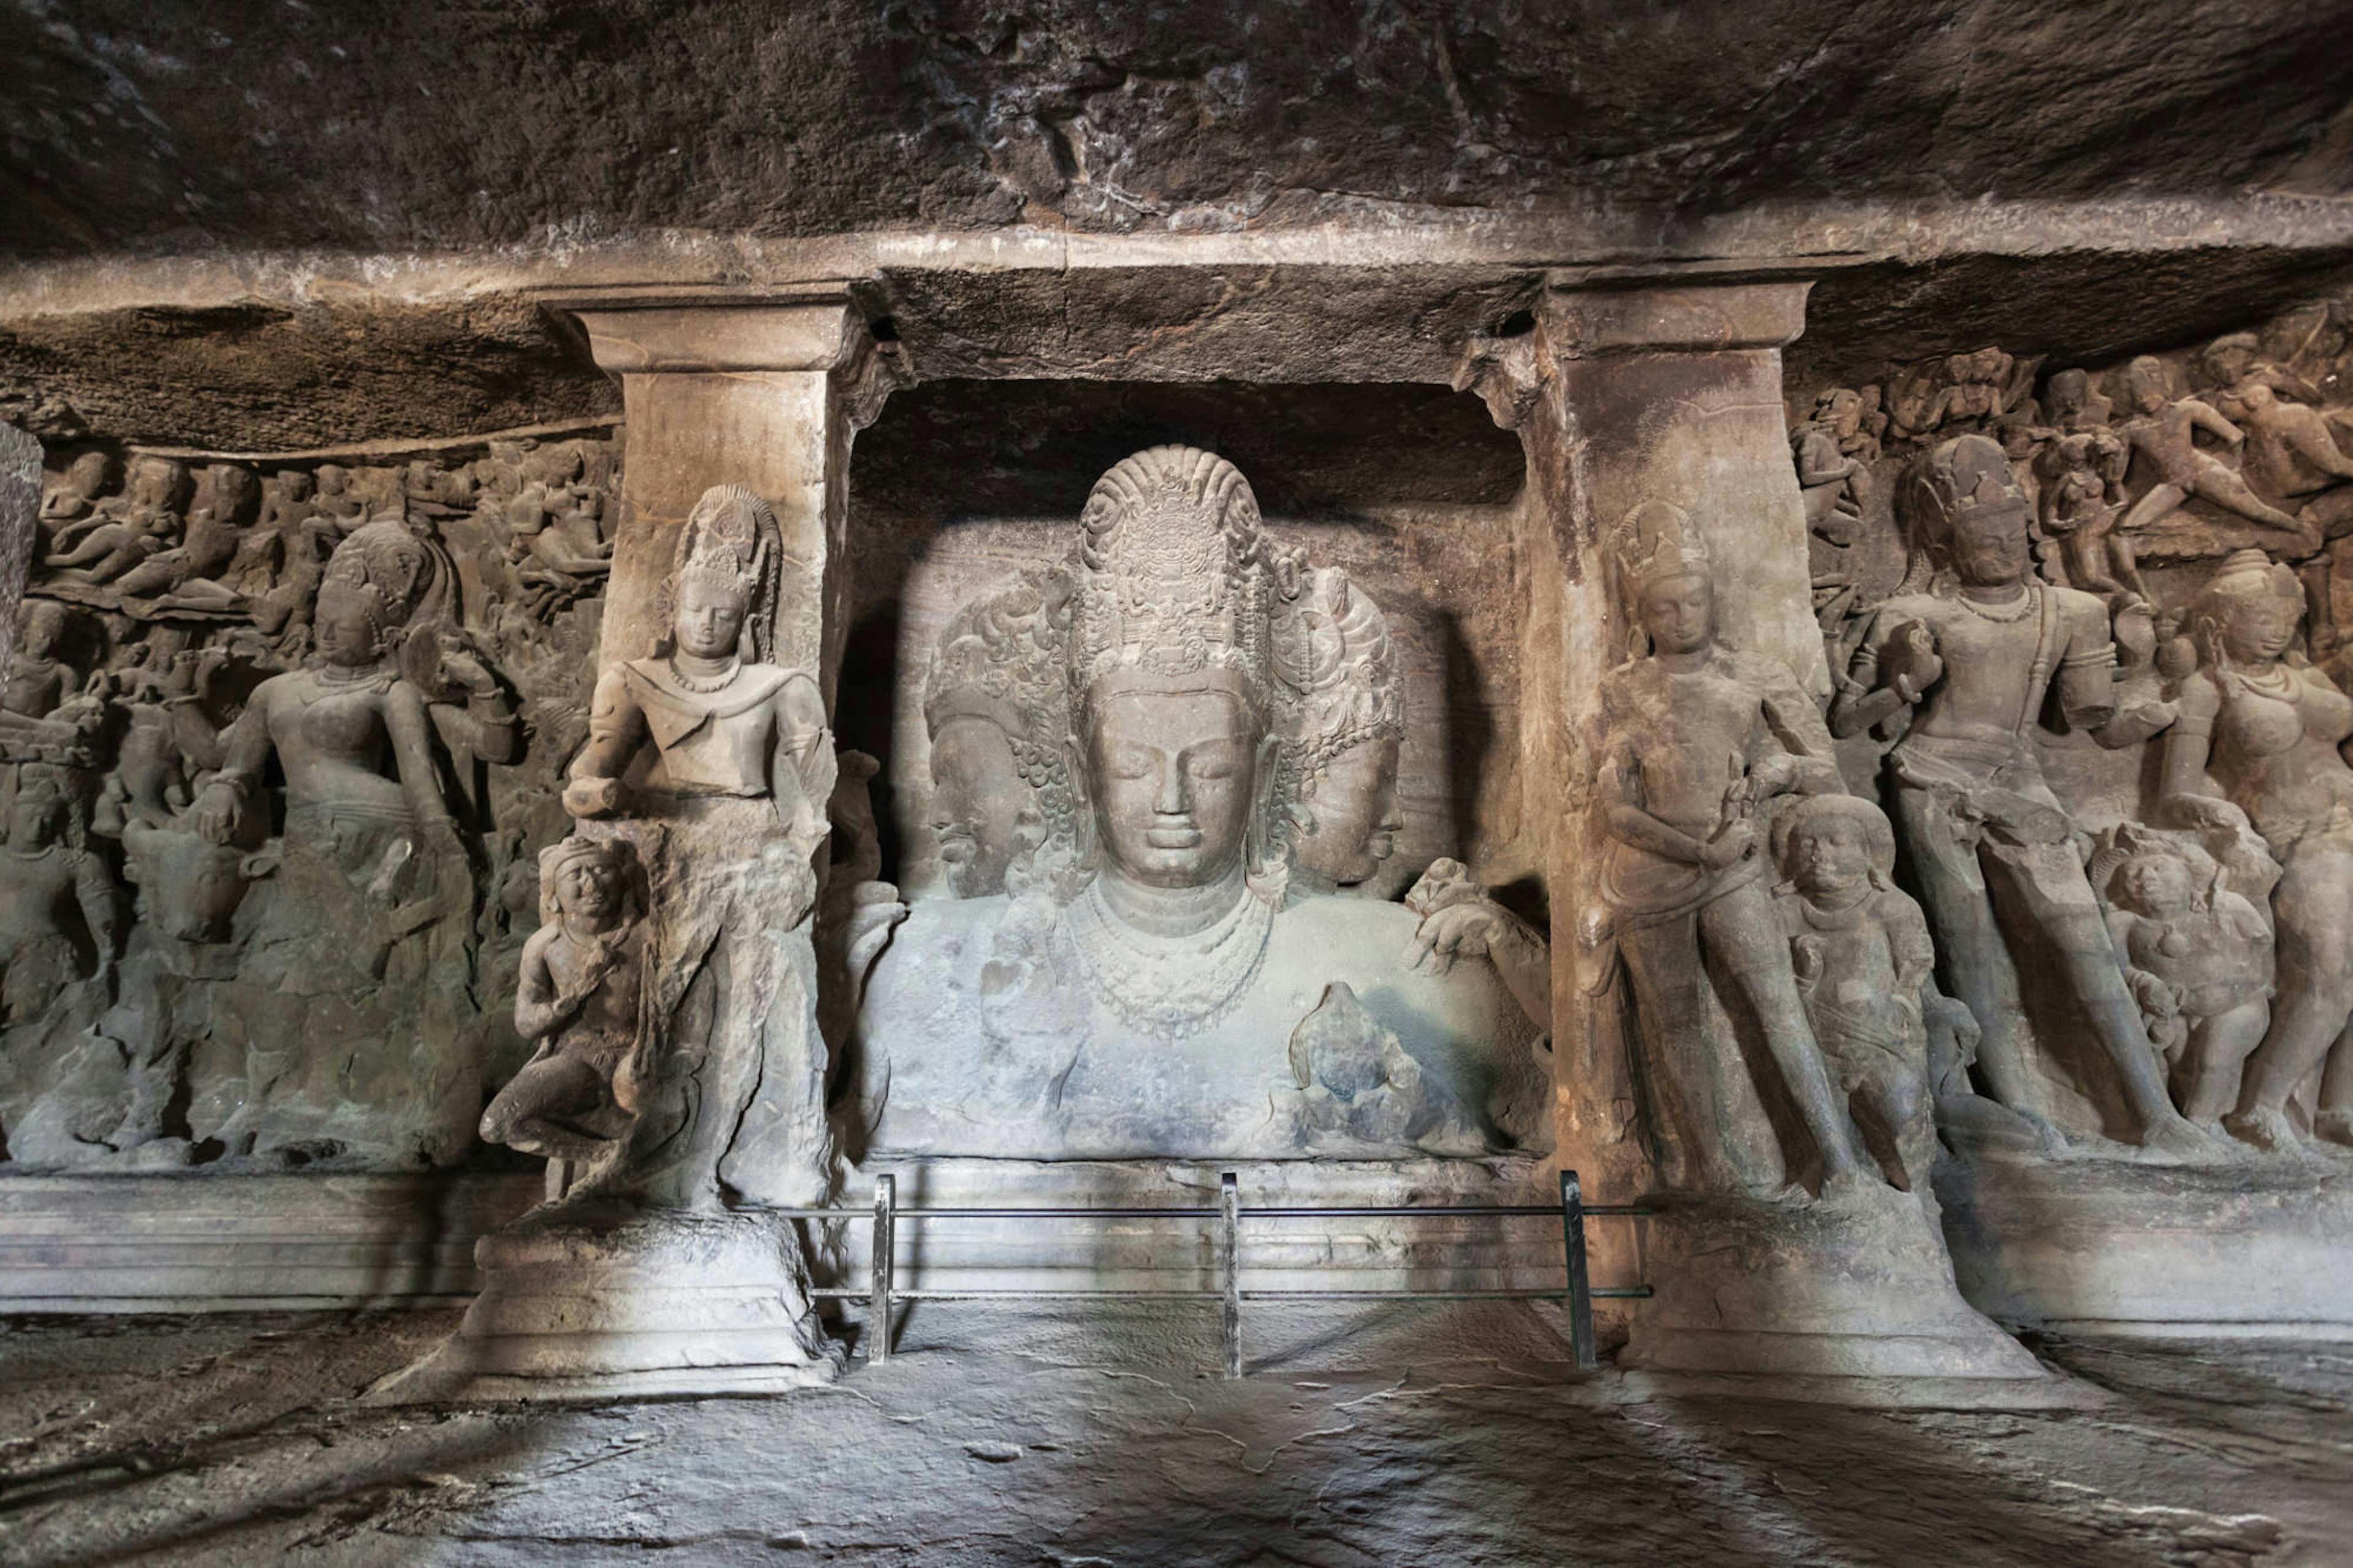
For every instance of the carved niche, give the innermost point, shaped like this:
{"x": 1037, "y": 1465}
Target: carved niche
{"x": 1156, "y": 762}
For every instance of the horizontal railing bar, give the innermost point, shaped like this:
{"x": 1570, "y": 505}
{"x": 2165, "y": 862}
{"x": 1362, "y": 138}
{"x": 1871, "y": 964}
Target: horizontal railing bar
{"x": 1620, "y": 1292}
{"x": 1550, "y": 1211}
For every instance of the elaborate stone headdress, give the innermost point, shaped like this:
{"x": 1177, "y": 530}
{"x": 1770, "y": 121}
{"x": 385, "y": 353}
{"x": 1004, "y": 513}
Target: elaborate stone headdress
{"x": 1656, "y": 540}
{"x": 1651, "y": 541}
{"x": 1340, "y": 686}
{"x": 386, "y": 567}
{"x": 731, "y": 541}
{"x": 1174, "y": 577}
{"x": 1947, "y": 484}
{"x": 1002, "y": 656}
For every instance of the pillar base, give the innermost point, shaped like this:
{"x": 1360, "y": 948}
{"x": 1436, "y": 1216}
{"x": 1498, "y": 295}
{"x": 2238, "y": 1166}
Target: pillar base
{"x": 662, "y": 1306}
{"x": 1821, "y": 1300}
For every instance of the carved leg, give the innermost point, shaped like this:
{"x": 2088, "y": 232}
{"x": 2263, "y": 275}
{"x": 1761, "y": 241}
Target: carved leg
{"x": 2055, "y": 903}
{"x": 1973, "y": 960}
{"x": 2206, "y": 1080}
{"x": 2334, "y": 1120}
{"x": 541, "y": 1110}
{"x": 2225, "y": 489}
{"x": 2161, "y": 499}
{"x": 1742, "y": 931}
{"x": 1892, "y": 1107}
{"x": 1670, "y": 1021}
{"x": 2315, "y": 991}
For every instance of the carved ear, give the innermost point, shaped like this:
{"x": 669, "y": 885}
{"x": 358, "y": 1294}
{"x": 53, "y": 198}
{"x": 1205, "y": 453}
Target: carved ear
{"x": 1082, "y": 814}
{"x": 1262, "y": 839}
{"x": 260, "y": 863}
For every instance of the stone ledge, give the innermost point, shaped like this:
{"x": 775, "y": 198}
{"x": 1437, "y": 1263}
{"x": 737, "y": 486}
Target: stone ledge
{"x": 260, "y": 1243}
{"x": 2249, "y": 1248}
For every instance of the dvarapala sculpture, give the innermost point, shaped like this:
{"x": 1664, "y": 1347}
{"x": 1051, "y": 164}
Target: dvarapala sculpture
{"x": 1698, "y": 740}
{"x": 719, "y": 765}
{"x": 682, "y": 1061}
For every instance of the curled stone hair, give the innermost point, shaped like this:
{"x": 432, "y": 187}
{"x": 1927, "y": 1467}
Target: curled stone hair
{"x": 1001, "y": 657}
{"x": 1174, "y": 575}
{"x": 1878, "y": 835}
{"x": 577, "y": 847}
{"x": 2128, "y": 842}
{"x": 731, "y": 543}
{"x": 1339, "y": 685}
{"x": 387, "y": 565}
{"x": 1945, "y": 486}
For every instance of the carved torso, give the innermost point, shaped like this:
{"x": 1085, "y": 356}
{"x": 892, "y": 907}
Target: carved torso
{"x": 2276, "y": 745}
{"x": 716, "y": 743}
{"x": 2000, "y": 660}
{"x": 973, "y": 1044}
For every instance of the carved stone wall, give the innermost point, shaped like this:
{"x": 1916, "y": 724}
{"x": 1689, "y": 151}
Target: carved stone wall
{"x": 282, "y": 738}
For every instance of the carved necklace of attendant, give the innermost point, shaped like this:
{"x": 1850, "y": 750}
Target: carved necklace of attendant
{"x": 720, "y": 674}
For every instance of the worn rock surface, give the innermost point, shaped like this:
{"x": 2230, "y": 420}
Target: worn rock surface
{"x": 1431, "y": 1435}
{"x": 131, "y": 128}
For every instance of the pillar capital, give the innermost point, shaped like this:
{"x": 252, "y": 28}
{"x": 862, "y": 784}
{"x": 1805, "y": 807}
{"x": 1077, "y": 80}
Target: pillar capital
{"x": 1582, "y": 320}
{"x": 638, "y": 328}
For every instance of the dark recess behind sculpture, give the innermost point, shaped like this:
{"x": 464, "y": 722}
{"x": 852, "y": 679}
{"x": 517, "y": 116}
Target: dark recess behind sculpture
{"x": 1031, "y": 449}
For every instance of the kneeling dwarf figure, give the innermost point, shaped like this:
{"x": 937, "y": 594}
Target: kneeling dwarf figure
{"x": 578, "y": 997}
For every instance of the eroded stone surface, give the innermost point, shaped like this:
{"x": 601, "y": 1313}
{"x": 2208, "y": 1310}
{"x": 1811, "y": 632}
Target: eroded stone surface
{"x": 1422, "y": 1434}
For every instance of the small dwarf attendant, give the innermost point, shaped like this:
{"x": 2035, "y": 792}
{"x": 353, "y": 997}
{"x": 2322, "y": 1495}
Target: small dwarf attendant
{"x": 1861, "y": 950}
{"x": 577, "y": 995}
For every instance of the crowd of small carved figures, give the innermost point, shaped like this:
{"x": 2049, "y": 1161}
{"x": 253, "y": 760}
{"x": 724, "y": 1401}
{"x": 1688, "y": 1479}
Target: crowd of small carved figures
{"x": 2088, "y": 629}
{"x": 279, "y": 744}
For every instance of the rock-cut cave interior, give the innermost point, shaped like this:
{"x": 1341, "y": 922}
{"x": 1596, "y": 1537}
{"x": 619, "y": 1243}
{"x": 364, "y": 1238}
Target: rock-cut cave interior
{"x": 1237, "y": 782}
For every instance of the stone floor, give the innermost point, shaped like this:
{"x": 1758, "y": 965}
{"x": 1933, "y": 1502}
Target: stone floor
{"x": 1395, "y": 1436}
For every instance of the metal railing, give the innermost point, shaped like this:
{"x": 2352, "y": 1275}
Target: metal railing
{"x": 884, "y": 1294}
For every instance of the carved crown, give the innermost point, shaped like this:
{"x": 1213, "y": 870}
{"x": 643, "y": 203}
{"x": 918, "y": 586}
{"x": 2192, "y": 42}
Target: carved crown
{"x": 1174, "y": 576}
{"x": 730, "y": 541}
{"x": 1656, "y": 540}
{"x": 1340, "y": 684}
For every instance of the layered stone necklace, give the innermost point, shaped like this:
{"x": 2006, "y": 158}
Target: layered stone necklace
{"x": 1170, "y": 986}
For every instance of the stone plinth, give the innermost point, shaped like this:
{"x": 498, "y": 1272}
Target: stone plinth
{"x": 1848, "y": 1301}
{"x": 2253, "y": 1247}
{"x": 672, "y": 1304}
{"x": 260, "y": 1243}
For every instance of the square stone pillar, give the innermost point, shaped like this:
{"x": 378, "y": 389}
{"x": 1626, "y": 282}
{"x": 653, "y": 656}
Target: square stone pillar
{"x": 653, "y": 1285}
{"x": 1674, "y": 395}
{"x": 1622, "y": 397}
{"x": 763, "y": 391}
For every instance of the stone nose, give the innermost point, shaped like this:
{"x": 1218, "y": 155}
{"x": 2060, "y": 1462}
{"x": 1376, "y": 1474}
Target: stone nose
{"x": 1173, "y": 799}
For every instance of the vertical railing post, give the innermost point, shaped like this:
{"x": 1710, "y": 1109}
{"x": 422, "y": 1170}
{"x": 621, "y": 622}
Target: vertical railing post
{"x": 1229, "y": 1267}
{"x": 886, "y": 1247}
{"x": 1580, "y": 1287}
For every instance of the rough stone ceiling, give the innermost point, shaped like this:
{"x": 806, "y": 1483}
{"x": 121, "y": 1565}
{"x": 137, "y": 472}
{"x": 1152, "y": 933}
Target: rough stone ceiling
{"x": 176, "y": 127}
{"x": 273, "y": 226}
